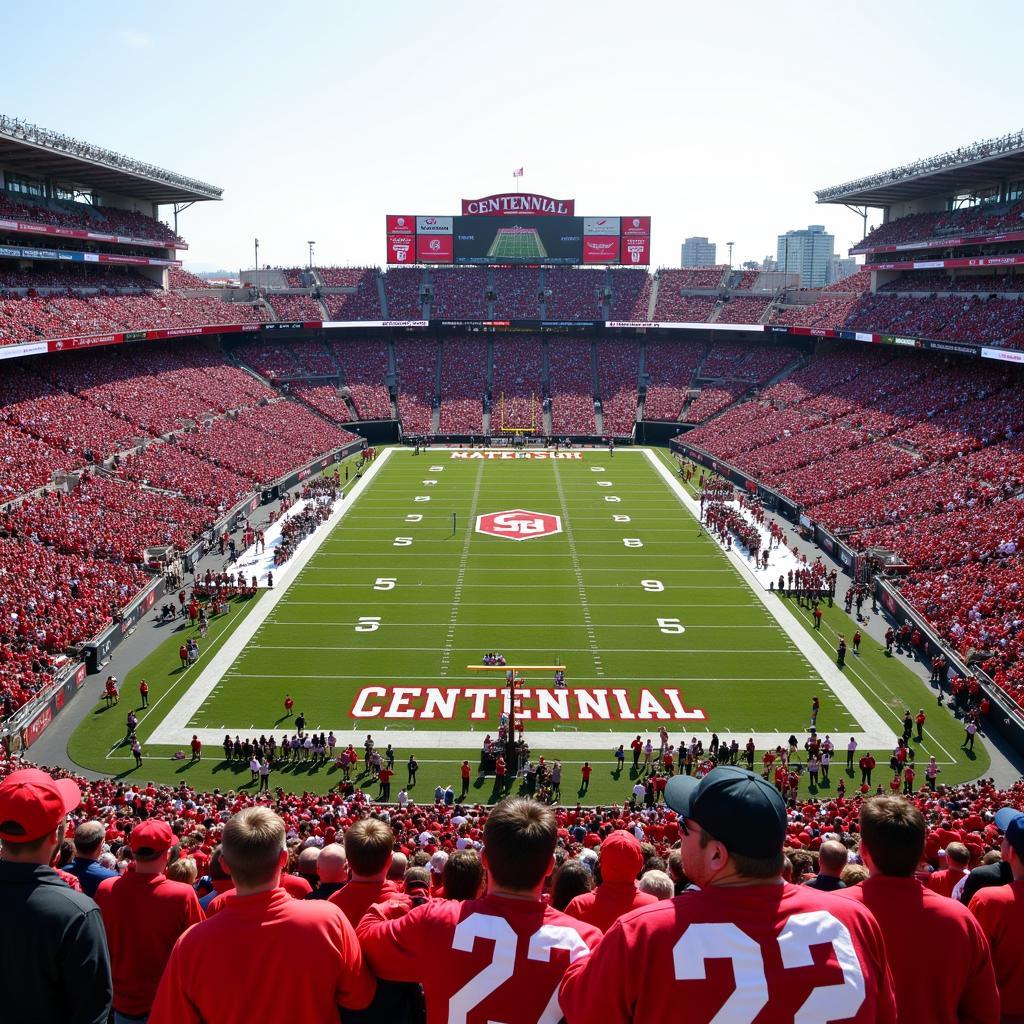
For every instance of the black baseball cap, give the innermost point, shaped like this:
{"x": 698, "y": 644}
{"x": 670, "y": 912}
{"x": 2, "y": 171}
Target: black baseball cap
{"x": 734, "y": 806}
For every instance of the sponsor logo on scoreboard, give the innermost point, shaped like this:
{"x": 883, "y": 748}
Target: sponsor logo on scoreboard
{"x": 601, "y": 226}
{"x": 519, "y": 524}
{"x": 434, "y": 225}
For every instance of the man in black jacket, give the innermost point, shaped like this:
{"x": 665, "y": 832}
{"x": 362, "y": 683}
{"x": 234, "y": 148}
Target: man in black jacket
{"x": 51, "y": 937}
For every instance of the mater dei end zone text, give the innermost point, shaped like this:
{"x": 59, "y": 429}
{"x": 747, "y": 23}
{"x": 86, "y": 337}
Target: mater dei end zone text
{"x": 606, "y": 704}
{"x": 515, "y": 455}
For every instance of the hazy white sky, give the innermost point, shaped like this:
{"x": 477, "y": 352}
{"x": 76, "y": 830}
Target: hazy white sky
{"x": 716, "y": 120}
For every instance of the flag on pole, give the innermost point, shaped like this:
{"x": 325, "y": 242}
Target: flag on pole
{"x": 517, "y": 173}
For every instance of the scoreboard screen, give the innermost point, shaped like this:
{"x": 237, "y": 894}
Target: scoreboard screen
{"x": 519, "y": 239}
{"x": 518, "y": 235}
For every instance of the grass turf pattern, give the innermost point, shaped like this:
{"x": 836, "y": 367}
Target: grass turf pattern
{"x": 575, "y": 597}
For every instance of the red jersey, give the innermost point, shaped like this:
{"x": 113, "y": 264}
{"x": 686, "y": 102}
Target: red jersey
{"x": 143, "y": 916}
{"x": 764, "y": 954}
{"x": 1000, "y": 911}
{"x": 220, "y": 969}
{"x": 944, "y": 882}
{"x": 358, "y": 896}
{"x": 946, "y": 978}
{"x": 490, "y": 959}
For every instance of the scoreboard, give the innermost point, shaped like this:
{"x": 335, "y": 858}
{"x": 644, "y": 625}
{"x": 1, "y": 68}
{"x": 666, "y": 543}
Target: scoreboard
{"x": 518, "y": 229}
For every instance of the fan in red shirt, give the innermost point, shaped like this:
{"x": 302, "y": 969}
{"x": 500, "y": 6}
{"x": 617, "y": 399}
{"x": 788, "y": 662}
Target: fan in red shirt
{"x": 500, "y": 957}
{"x": 948, "y": 978}
{"x": 1000, "y": 912}
{"x": 144, "y": 913}
{"x": 369, "y": 845}
{"x": 958, "y": 859}
{"x": 748, "y": 946}
{"x": 621, "y": 861}
{"x": 222, "y": 968}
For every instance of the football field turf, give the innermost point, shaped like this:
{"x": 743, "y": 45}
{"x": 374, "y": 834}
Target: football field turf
{"x": 376, "y": 629}
{"x": 517, "y": 244}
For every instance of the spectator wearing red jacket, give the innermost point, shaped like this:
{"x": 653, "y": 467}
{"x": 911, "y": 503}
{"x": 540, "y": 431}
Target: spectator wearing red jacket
{"x": 219, "y": 969}
{"x": 621, "y": 860}
{"x": 787, "y": 943}
{"x": 951, "y": 979}
{"x": 1000, "y": 912}
{"x": 522, "y": 945}
{"x": 144, "y": 913}
{"x": 958, "y": 859}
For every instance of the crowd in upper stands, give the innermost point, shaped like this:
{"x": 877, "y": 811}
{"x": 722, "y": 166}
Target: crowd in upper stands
{"x": 106, "y": 219}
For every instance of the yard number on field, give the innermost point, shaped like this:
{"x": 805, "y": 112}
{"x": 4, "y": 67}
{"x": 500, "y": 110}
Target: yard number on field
{"x": 402, "y": 542}
{"x": 368, "y": 623}
{"x": 651, "y": 586}
{"x": 632, "y": 542}
{"x": 385, "y": 583}
{"x": 671, "y": 626}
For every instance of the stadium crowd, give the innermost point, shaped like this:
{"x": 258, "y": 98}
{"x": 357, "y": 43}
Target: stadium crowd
{"x": 162, "y": 892}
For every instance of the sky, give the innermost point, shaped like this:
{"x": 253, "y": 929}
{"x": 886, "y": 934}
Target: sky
{"x": 317, "y": 120}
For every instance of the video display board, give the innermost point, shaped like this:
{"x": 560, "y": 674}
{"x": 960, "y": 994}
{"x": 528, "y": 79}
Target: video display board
{"x": 520, "y": 238}
{"x": 519, "y": 228}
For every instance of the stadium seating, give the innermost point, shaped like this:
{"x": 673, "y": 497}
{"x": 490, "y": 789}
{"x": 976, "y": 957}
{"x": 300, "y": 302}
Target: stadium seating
{"x": 178, "y": 278}
{"x": 571, "y": 386}
{"x": 416, "y": 362}
{"x": 670, "y": 366}
{"x": 325, "y": 399}
{"x": 743, "y": 311}
{"x": 573, "y": 294}
{"x": 517, "y": 393}
{"x": 517, "y": 291}
{"x": 941, "y": 281}
{"x": 459, "y": 293}
{"x": 363, "y": 303}
{"x": 463, "y": 382}
{"x": 364, "y": 366}
{"x": 671, "y": 304}
{"x": 269, "y": 359}
{"x": 313, "y": 358}
{"x": 919, "y": 227}
{"x": 291, "y": 307}
{"x": 631, "y": 293}
{"x": 401, "y": 293}
{"x": 105, "y": 219}
{"x": 618, "y": 363}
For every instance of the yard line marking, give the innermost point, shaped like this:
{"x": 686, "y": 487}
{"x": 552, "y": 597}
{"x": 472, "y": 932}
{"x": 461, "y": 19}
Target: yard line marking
{"x": 581, "y": 586}
{"x": 517, "y": 625}
{"x": 446, "y": 651}
{"x": 675, "y": 653}
{"x": 647, "y": 677}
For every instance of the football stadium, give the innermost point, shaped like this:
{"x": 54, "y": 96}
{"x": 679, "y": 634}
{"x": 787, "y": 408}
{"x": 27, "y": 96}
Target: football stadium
{"x": 512, "y": 573}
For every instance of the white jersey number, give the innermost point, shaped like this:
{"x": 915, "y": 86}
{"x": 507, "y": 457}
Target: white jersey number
{"x": 725, "y": 941}
{"x": 503, "y": 961}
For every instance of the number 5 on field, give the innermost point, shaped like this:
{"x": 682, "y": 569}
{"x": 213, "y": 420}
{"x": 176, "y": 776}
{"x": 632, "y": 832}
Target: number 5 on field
{"x": 671, "y": 626}
{"x": 385, "y": 583}
{"x": 368, "y": 623}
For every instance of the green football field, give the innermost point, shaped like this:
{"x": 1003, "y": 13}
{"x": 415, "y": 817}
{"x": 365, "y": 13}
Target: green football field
{"x": 383, "y": 629}
{"x": 517, "y": 244}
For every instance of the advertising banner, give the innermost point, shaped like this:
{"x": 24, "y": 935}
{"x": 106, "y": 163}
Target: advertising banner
{"x": 434, "y": 225}
{"x": 636, "y": 241}
{"x": 401, "y": 239}
{"x": 600, "y": 249}
{"x": 435, "y": 248}
{"x": 601, "y": 226}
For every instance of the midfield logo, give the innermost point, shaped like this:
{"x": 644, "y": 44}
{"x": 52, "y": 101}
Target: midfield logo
{"x": 518, "y": 524}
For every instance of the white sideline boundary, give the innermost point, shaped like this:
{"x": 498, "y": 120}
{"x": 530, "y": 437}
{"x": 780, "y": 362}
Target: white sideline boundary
{"x": 174, "y": 730}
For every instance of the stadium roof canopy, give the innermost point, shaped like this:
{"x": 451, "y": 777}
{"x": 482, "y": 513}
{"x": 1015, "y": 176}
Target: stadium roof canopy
{"x": 38, "y": 152}
{"x": 977, "y": 166}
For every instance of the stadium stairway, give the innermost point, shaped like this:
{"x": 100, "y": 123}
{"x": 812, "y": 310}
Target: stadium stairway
{"x": 652, "y": 300}
{"x": 382, "y": 297}
{"x": 716, "y": 312}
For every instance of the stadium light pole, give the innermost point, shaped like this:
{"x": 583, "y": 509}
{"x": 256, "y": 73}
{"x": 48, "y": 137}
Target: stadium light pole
{"x": 311, "y": 244}
{"x": 730, "y": 244}
{"x": 256, "y": 245}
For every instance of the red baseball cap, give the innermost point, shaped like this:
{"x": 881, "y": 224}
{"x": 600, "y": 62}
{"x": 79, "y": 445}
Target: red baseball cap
{"x": 151, "y": 838}
{"x": 33, "y": 803}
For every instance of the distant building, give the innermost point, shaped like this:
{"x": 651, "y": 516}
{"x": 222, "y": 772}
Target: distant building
{"x": 841, "y": 267}
{"x": 699, "y": 252}
{"x": 769, "y": 264}
{"x": 807, "y": 253}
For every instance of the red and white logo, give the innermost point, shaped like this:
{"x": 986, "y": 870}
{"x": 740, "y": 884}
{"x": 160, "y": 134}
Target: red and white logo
{"x": 518, "y": 524}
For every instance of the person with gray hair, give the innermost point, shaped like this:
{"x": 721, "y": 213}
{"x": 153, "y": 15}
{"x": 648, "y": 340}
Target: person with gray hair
{"x": 89, "y": 838}
{"x": 306, "y": 865}
{"x": 332, "y": 869}
{"x": 657, "y": 883}
{"x": 259, "y": 921}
